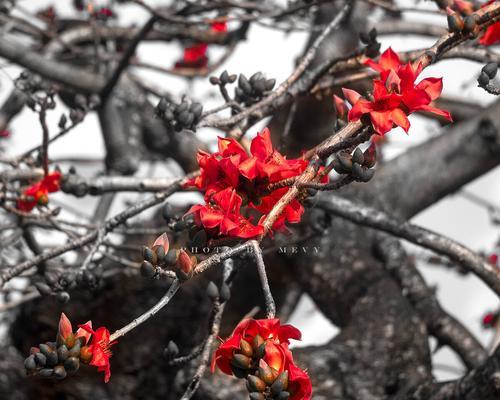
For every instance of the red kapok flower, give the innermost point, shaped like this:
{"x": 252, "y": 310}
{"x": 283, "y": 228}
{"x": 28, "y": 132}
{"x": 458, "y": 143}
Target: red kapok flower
{"x": 263, "y": 343}
{"x": 270, "y": 332}
{"x": 38, "y": 192}
{"x": 99, "y": 347}
{"x": 395, "y": 95}
{"x": 221, "y": 217}
{"x": 195, "y": 56}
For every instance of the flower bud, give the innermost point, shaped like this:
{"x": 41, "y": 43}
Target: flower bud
{"x": 238, "y": 372}
{"x": 40, "y": 359}
{"x": 257, "y": 341}
{"x": 170, "y": 258}
{"x": 283, "y": 396}
{"x": 483, "y": 79}
{"x": 43, "y": 288}
{"x": 212, "y": 291}
{"x": 62, "y": 353}
{"x": 167, "y": 211}
{"x": 345, "y": 162}
{"x": 370, "y": 156}
{"x": 70, "y": 341}
{"x": 63, "y": 297}
{"x": 171, "y": 350}
{"x": 261, "y": 351}
{"x": 241, "y": 361}
{"x": 357, "y": 171}
{"x": 75, "y": 350}
{"x": 225, "y": 293}
{"x": 29, "y": 363}
{"x": 470, "y": 23}
{"x": 358, "y": 157}
{"x": 85, "y": 354}
{"x": 46, "y": 372}
{"x": 59, "y": 372}
{"x": 149, "y": 255}
{"x": 280, "y": 384}
{"x": 266, "y": 373}
{"x": 147, "y": 269}
{"x": 455, "y": 23}
{"x": 72, "y": 364}
{"x": 246, "y": 348}
{"x": 255, "y": 384}
{"x": 490, "y": 69}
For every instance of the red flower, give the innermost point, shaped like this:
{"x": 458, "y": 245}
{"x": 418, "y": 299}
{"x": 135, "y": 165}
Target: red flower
{"x": 248, "y": 338}
{"x": 492, "y": 33}
{"x": 99, "y": 347}
{"x": 38, "y": 193}
{"x": 395, "y": 94}
{"x": 195, "y": 56}
{"x": 221, "y": 217}
{"x": 247, "y": 176}
{"x": 493, "y": 259}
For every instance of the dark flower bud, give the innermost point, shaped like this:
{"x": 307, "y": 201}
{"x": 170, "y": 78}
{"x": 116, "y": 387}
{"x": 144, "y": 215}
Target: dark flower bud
{"x": 184, "y": 106}
{"x": 44, "y": 349}
{"x": 30, "y": 363}
{"x": 261, "y": 351}
{"x": 345, "y": 162}
{"x": 167, "y": 211}
{"x": 357, "y": 156}
{"x": 179, "y": 226}
{"x": 149, "y": 255}
{"x": 373, "y": 34}
{"x": 186, "y": 118}
{"x": 225, "y": 293}
{"x": 72, "y": 364}
{"x": 490, "y": 69}
{"x": 238, "y": 372}
{"x": 197, "y": 110}
{"x": 241, "y": 361}
{"x": 259, "y": 86}
{"x": 63, "y": 297}
{"x": 270, "y": 84}
{"x": 160, "y": 252}
{"x": 357, "y": 171}
{"x": 147, "y": 269}
{"x": 171, "y": 350}
{"x": 483, "y": 79}
{"x": 254, "y": 384}
{"x": 188, "y": 219}
{"x": 62, "y": 353}
{"x": 59, "y": 372}
{"x": 232, "y": 78}
{"x": 212, "y": 291}
{"x": 162, "y": 105}
{"x": 368, "y": 174}
{"x": 244, "y": 84}
{"x": 266, "y": 373}
{"x": 170, "y": 258}
{"x": 370, "y": 156}
{"x": 470, "y": 23}
{"x": 224, "y": 77}
{"x": 169, "y": 115}
{"x": 256, "y": 77}
{"x": 455, "y": 23}
{"x": 257, "y": 341}
{"x": 40, "y": 359}
{"x": 43, "y": 288}
{"x": 62, "y": 121}
{"x": 85, "y": 354}
{"x": 46, "y": 372}
{"x": 214, "y": 80}
{"x": 75, "y": 350}
{"x": 283, "y": 396}
{"x": 238, "y": 93}
{"x": 365, "y": 39}
{"x": 280, "y": 384}
{"x": 246, "y": 348}
{"x": 199, "y": 239}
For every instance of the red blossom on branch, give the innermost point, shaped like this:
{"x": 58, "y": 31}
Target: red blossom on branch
{"x": 99, "y": 347}
{"x": 233, "y": 179}
{"x": 395, "y": 95}
{"x": 37, "y": 194}
{"x": 258, "y": 350}
{"x": 195, "y": 56}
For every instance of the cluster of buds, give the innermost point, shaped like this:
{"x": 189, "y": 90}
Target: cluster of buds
{"x": 60, "y": 358}
{"x": 181, "y": 116}
{"x": 263, "y": 381}
{"x": 458, "y": 23}
{"x": 223, "y": 79}
{"x": 250, "y": 91}
{"x": 257, "y": 351}
{"x": 369, "y": 39}
{"x": 488, "y": 72}
{"x": 359, "y": 165}
{"x": 30, "y": 84}
{"x": 160, "y": 256}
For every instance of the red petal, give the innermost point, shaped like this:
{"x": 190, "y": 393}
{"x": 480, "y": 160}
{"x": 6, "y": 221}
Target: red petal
{"x": 351, "y": 95}
{"x": 400, "y": 119}
{"x": 261, "y": 146}
{"x": 381, "y": 121}
{"x": 162, "y": 241}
